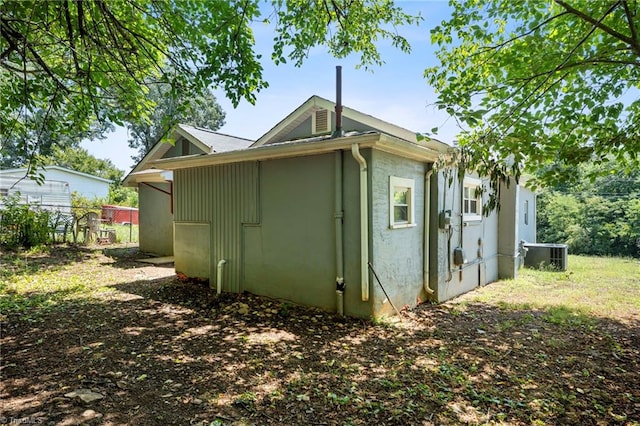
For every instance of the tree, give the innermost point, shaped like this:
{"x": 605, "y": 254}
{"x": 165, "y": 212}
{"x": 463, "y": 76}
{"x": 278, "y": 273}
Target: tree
{"x": 38, "y": 142}
{"x": 545, "y": 85}
{"x": 599, "y": 217}
{"x": 83, "y": 62}
{"x": 80, "y": 160}
{"x": 170, "y": 109}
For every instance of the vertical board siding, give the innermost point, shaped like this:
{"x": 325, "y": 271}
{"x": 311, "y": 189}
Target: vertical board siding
{"x": 225, "y": 196}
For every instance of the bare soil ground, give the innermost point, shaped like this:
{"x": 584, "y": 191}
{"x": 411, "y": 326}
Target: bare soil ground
{"x": 165, "y": 352}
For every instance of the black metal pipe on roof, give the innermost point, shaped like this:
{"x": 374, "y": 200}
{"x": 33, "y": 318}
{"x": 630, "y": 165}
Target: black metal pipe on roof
{"x": 338, "y": 132}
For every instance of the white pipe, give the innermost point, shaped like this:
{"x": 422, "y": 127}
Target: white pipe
{"x": 340, "y": 302}
{"x": 427, "y": 234}
{"x": 364, "y": 222}
{"x": 219, "y": 275}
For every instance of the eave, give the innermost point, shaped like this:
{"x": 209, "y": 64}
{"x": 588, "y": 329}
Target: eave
{"x": 379, "y": 141}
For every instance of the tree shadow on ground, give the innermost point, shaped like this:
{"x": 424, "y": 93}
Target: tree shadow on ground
{"x": 52, "y": 258}
{"x": 167, "y": 352}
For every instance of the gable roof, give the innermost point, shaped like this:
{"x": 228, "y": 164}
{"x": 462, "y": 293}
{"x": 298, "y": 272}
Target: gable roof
{"x": 315, "y": 103}
{"x": 210, "y": 141}
{"x": 23, "y": 170}
{"x": 274, "y": 144}
{"x": 205, "y": 140}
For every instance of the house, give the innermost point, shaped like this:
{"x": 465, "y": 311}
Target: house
{"x": 83, "y": 184}
{"x": 329, "y": 196}
{"x": 155, "y": 185}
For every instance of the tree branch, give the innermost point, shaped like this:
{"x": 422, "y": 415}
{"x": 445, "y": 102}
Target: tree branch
{"x": 519, "y": 36}
{"x": 632, "y": 24}
{"x": 539, "y": 86}
{"x": 72, "y": 44}
{"x": 598, "y": 23}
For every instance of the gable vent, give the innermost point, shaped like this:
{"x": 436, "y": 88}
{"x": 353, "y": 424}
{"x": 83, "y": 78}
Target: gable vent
{"x": 320, "y": 122}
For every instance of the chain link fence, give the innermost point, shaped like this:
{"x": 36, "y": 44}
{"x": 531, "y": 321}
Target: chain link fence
{"x": 80, "y": 224}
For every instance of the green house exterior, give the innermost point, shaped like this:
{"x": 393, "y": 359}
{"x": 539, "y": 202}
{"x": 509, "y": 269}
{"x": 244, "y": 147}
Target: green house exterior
{"x": 155, "y": 186}
{"x": 334, "y": 222}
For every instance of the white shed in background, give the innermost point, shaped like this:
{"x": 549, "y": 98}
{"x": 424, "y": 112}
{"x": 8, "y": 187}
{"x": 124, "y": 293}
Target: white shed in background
{"x": 84, "y": 184}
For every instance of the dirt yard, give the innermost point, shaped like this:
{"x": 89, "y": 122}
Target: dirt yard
{"x": 153, "y": 350}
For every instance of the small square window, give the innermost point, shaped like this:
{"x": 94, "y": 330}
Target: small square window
{"x": 34, "y": 199}
{"x": 401, "y": 202}
{"x": 472, "y": 199}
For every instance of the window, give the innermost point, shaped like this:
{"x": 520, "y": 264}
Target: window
{"x": 401, "y": 202}
{"x": 472, "y": 200}
{"x": 526, "y": 212}
{"x": 34, "y": 199}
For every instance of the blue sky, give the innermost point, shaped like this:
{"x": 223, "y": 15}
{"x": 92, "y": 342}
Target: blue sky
{"x": 396, "y": 92}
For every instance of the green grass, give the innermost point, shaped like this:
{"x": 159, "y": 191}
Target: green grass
{"x": 31, "y": 287}
{"x": 124, "y": 235}
{"x": 600, "y": 286}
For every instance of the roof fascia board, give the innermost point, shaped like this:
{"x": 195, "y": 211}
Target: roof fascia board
{"x": 266, "y": 152}
{"x": 74, "y": 172}
{"x": 191, "y": 138}
{"x": 313, "y": 101}
{"x": 59, "y": 168}
{"x": 400, "y": 147}
{"x": 160, "y": 148}
{"x": 381, "y": 125}
{"x": 379, "y": 141}
{"x": 149, "y": 156}
{"x": 151, "y": 175}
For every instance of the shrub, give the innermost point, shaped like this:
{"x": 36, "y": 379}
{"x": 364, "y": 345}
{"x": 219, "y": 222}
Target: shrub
{"x": 23, "y": 225}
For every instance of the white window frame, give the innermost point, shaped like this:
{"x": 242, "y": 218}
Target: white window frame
{"x": 526, "y": 212}
{"x": 402, "y": 184}
{"x": 470, "y": 197}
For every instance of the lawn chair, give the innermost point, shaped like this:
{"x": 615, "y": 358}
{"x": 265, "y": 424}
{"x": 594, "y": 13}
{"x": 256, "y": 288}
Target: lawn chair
{"x": 61, "y": 223}
{"x": 89, "y": 226}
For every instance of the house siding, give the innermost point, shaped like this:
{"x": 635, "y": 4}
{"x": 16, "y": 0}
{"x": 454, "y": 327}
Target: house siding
{"x": 177, "y": 149}
{"x": 290, "y": 254}
{"x": 353, "y": 303}
{"x": 478, "y": 239}
{"x": 156, "y": 219}
{"x": 397, "y": 254}
{"x": 84, "y": 186}
{"x": 508, "y": 233}
{"x": 527, "y": 203}
{"x": 304, "y": 129}
{"x": 225, "y": 197}
{"x": 273, "y": 222}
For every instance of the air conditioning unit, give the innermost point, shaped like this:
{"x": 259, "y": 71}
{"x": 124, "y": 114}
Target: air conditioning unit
{"x": 541, "y": 255}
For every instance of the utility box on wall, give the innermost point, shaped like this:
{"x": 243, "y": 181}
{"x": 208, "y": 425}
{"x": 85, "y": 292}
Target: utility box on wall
{"x": 540, "y": 255}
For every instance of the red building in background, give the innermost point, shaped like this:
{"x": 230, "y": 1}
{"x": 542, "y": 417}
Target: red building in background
{"x": 119, "y": 214}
